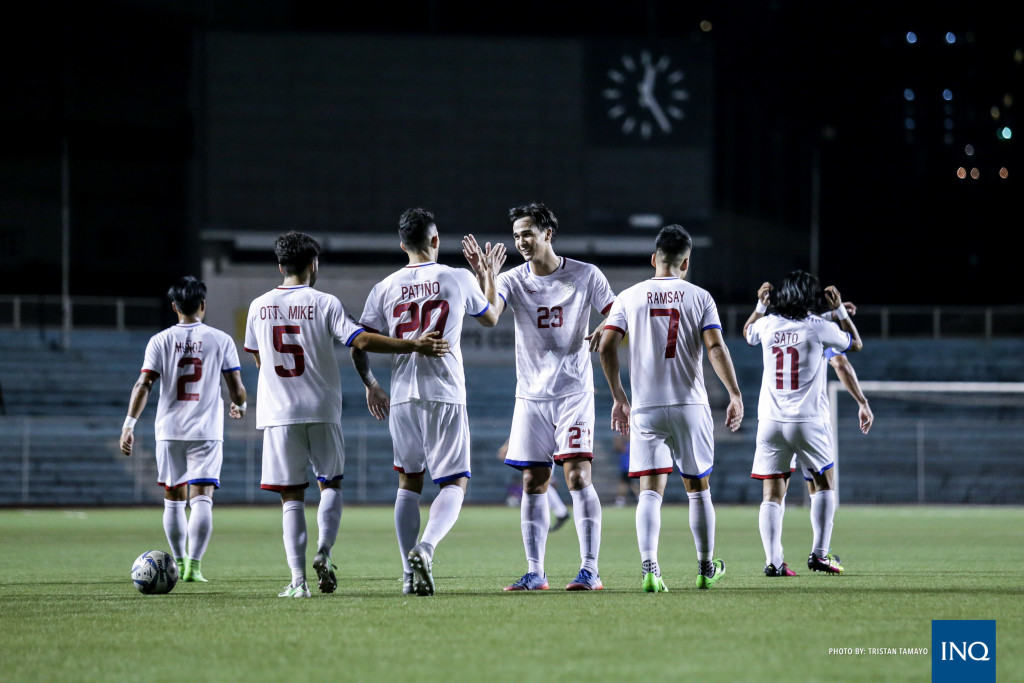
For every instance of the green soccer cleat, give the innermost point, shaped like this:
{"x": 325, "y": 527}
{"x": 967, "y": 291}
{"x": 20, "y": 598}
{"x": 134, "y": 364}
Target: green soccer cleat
{"x": 290, "y": 591}
{"x": 192, "y": 572}
{"x": 710, "y": 573}
{"x": 654, "y": 584}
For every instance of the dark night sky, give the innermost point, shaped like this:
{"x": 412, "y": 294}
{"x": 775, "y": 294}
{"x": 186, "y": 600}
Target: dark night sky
{"x": 795, "y": 81}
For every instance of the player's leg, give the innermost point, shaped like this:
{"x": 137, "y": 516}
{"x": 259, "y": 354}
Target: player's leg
{"x": 649, "y": 460}
{"x": 692, "y": 431}
{"x": 559, "y": 511}
{"x": 772, "y": 456}
{"x": 204, "y": 463}
{"x": 573, "y": 417}
{"x": 447, "y": 425}
{"x": 327, "y": 455}
{"x": 530, "y": 446}
{"x": 409, "y": 460}
{"x": 285, "y": 455}
{"x": 814, "y": 451}
{"x": 172, "y": 475}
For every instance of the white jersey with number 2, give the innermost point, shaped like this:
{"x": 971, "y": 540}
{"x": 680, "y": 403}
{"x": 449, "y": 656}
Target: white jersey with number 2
{"x": 294, "y": 329}
{"x": 189, "y": 359}
{"x": 795, "y": 369}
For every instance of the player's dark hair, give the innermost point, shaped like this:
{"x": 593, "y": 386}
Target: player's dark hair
{"x": 187, "y": 293}
{"x": 541, "y": 217}
{"x": 673, "y": 242}
{"x": 798, "y": 295}
{"x": 414, "y": 228}
{"x": 295, "y": 251}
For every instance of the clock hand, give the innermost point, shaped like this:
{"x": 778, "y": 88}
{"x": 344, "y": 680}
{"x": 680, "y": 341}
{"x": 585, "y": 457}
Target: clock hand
{"x": 659, "y": 115}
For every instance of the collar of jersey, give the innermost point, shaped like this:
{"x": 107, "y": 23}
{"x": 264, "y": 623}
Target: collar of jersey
{"x": 420, "y": 265}
{"x": 187, "y": 324}
{"x": 667, "y": 277}
{"x": 560, "y": 267}
{"x": 293, "y": 287}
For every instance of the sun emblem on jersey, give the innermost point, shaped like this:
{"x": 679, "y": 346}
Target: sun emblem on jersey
{"x": 568, "y": 287}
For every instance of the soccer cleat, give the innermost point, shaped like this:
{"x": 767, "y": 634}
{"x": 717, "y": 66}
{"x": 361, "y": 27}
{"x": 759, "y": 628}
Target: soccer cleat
{"x": 834, "y": 557}
{"x": 710, "y": 573}
{"x": 653, "y": 584}
{"x": 407, "y": 583}
{"x": 585, "y": 581}
{"x": 781, "y": 570}
{"x": 530, "y": 581}
{"x": 191, "y": 572}
{"x": 827, "y": 564}
{"x": 560, "y": 522}
{"x": 326, "y": 579}
{"x": 422, "y": 576}
{"x": 290, "y": 591}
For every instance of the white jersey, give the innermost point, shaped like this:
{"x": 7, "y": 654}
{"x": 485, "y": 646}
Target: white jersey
{"x": 552, "y": 314}
{"x": 293, "y": 329}
{"x": 665, "y": 318}
{"x": 413, "y": 301}
{"x": 795, "y": 369}
{"x": 189, "y": 359}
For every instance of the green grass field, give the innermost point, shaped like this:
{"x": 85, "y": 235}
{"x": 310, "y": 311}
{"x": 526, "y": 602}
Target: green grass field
{"x": 69, "y": 611}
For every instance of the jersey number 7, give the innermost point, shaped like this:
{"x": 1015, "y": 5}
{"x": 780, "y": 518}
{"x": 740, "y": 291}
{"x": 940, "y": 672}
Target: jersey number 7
{"x": 673, "y": 328}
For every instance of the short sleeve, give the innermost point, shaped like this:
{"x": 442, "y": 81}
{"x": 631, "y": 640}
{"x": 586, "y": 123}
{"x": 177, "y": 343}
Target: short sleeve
{"x": 709, "y": 314}
{"x": 151, "y": 361}
{"x": 372, "y": 317}
{"x": 230, "y": 353}
{"x": 504, "y": 285}
{"x": 601, "y": 294}
{"x": 251, "y": 340}
{"x": 617, "y": 318}
{"x": 342, "y": 325}
{"x": 754, "y": 331}
{"x": 476, "y": 302}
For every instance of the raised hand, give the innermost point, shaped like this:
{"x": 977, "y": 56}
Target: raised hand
{"x": 832, "y": 297}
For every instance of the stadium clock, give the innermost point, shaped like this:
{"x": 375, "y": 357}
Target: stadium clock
{"x": 644, "y": 95}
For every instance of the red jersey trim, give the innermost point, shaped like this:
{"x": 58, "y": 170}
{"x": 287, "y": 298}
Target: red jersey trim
{"x": 171, "y": 488}
{"x": 248, "y": 350}
{"x": 604, "y": 311}
{"x": 779, "y": 475}
{"x": 408, "y": 474}
{"x": 569, "y": 456}
{"x": 276, "y": 487}
{"x": 615, "y": 329}
{"x": 152, "y": 372}
{"x": 644, "y": 473}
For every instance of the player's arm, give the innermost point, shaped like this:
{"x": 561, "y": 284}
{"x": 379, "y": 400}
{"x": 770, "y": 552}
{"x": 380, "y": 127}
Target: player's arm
{"x": 486, "y": 263}
{"x": 721, "y": 361}
{"x": 609, "y": 353}
{"x": 763, "y": 299}
{"x": 835, "y": 302}
{"x": 377, "y": 400}
{"x": 236, "y": 390}
{"x": 848, "y": 376}
{"x": 136, "y": 404}
{"x": 429, "y": 344}
{"x": 256, "y": 358}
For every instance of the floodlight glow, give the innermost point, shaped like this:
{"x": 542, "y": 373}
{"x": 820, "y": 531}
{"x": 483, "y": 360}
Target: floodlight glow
{"x": 908, "y": 123}
{"x": 1005, "y": 133}
{"x": 911, "y": 37}
{"x": 908, "y": 94}
{"x": 950, "y": 37}
{"x": 969, "y": 150}
{"x": 947, "y": 95}
{"x": 1004, "y": 173}
{"x": 961, "y": 173}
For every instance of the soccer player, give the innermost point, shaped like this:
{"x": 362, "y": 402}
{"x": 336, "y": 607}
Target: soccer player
{"x": 189, "y": 358}
{"x": 553, "y": 420}
{"x": 429, "y": 423}
{"x": 291, "y": 332}
{"x": 670, "y": 322}
{"x": 792, "y": 413}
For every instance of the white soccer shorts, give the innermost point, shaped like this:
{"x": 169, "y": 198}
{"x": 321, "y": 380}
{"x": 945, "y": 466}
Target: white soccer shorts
{"x": 288, "y": 448}
{"x": 431, "y": 435}
{"x": 662, "y": 435}
{"x": 779, "y": 442}
{"x": 192, "y": 462}
{"x": 552, "y": 430}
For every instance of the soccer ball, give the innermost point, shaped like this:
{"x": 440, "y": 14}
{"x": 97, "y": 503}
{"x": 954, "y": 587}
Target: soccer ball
{"x": 154, "y": 571}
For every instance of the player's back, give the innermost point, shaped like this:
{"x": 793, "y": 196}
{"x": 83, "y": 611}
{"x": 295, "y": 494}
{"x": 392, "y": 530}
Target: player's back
{"x": 190, "y": 358}
{"x": 294, "y": 330}
{"x": 415, "y": 300}
{"x": 552, "y": 315}
{"x": 795, "y": 369}
{"x": 665, "y": 318}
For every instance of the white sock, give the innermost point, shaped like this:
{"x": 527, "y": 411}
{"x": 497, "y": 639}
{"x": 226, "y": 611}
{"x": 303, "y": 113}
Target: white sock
{"x": 770, "y": 522}
{"x": 555, "y": 504}
{"x": 823, "y": 511}
{"x": 443, "y": 513}
{"x": 586, "y": 509}
{"x": 328, "y": 518}
{"x": 175, "y": 526}
{"x": 648, "y": 524}
{"x": 294, "y": 523}
{"x": 407, "y": 523}
{"x": 533, "y": 519}
{"x": 702, "y": 523}
{"x": 200, "y": 526}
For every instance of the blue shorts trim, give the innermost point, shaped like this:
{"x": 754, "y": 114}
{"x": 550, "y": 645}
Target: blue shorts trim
{"x": 822, "y": 470}
{"x": 523, "y": 464}
{"x": 453, "y": 477}
{"x": 198, "y": 482}
{"x": 327, "y": 481}
{"x": 697, "y": 476}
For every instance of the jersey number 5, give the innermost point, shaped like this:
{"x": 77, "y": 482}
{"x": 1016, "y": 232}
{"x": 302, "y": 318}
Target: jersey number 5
{"x": 197, "y": 371}
{"x": 294, "y": 349}
{"x": 780, "y": 364}
{"x": 673, "y": 328}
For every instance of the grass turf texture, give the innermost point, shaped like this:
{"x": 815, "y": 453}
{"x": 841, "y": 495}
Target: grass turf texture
{"x": 69, "y": 611}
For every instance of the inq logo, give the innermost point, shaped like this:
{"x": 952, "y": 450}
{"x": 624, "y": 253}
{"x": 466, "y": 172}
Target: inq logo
{"x": 963, "y": 651}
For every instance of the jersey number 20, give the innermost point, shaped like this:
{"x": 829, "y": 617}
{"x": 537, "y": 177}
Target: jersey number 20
{"x": 419, "y": 316}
